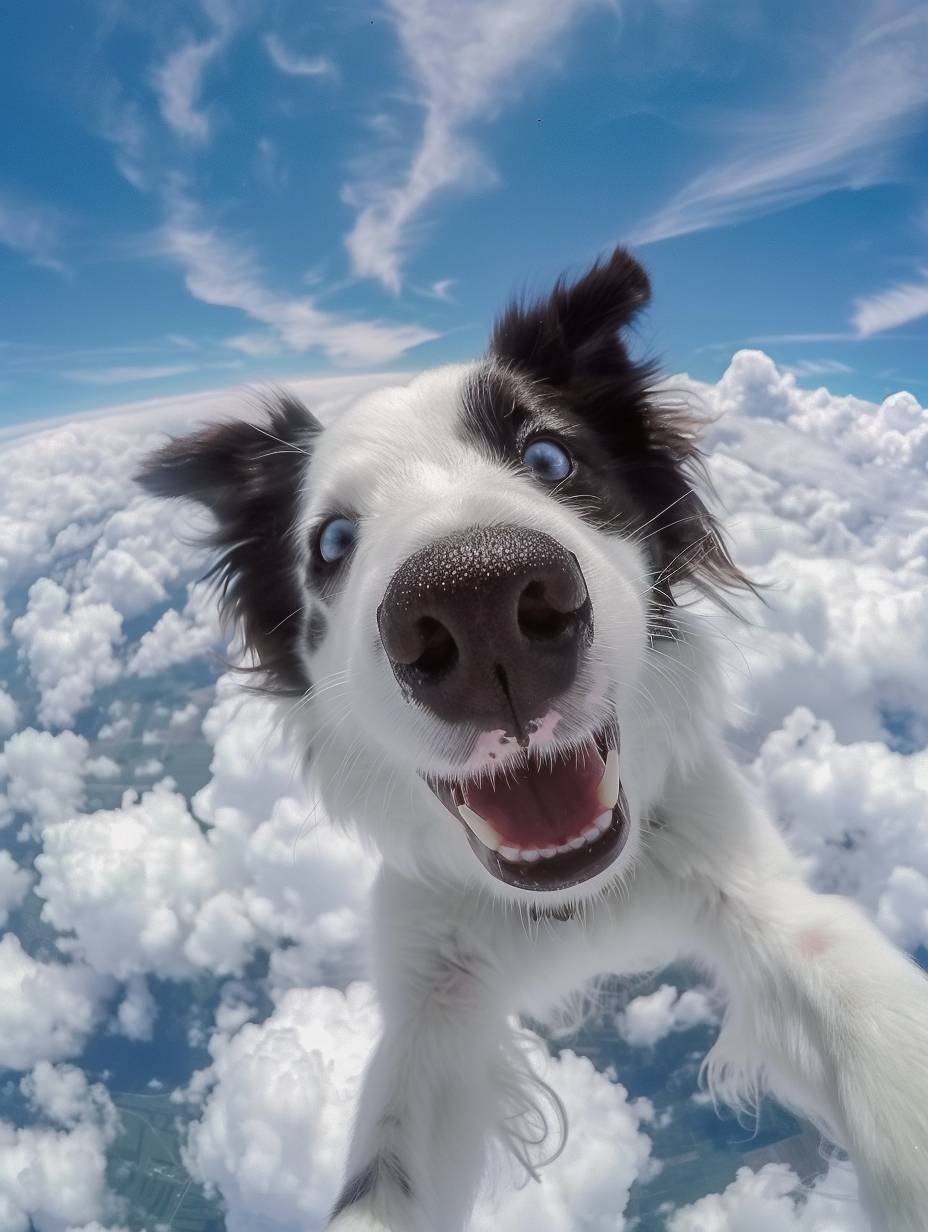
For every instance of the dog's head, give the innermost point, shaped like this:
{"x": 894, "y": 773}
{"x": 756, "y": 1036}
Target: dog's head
{"x": 463, "y": 585}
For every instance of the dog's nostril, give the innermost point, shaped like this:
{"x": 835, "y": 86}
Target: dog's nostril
{"x": 439, "y": 649}
{"x": 539, "y": 619}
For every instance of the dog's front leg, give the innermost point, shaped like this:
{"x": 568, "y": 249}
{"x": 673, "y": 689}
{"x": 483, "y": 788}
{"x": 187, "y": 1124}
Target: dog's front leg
{"x": 431, "y": 1094}
{"x": 823, "y": 1010}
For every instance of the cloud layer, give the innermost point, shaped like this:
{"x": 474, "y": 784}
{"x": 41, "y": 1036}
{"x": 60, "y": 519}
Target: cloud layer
{"x": 162, "y": 883}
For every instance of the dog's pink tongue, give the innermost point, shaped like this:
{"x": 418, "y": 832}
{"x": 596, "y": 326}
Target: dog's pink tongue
{"x": 542, "y": 805}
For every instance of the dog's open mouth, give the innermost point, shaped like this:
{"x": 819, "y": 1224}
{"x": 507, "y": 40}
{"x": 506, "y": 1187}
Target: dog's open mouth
{"x": 549, "y": 822}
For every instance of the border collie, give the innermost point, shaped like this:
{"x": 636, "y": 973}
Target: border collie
{"x": 475, "y": 591}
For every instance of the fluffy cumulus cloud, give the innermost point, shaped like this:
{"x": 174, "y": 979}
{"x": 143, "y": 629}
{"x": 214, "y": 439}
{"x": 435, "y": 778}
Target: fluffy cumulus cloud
{"x": 53, "y": 1176}
{"x": 179, "y": 636}
{"x": 47, "y": 1009}
{"x": 14, "y": 885}
{"x": 43, "y": 775}
{"x": 858, "y": 812}
{"x": 817, "y": 489}
{"x": 772, "y": 1200}
{"x": 151, "y": 888}
{"x": 9, "y": 711}
{"x": 69, "y": 648}
{"x": 647, "y": 1020}
{"x": 276, "y": 1121}
{"x": 608, "y": 1149}
{"x": 138, "y": 555}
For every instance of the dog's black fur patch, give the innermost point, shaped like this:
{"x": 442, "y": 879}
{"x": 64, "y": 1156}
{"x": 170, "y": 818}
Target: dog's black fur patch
{"x": 562, "y": 360}
{"x": 249, "y": 475}
{"x": 358, "y": 1187}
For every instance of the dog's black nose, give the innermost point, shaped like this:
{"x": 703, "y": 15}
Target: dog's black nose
{"x": 487, "y": 626}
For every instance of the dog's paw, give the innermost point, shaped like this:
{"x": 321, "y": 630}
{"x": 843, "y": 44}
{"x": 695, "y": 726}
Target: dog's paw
{"x": 356, "y": 1219}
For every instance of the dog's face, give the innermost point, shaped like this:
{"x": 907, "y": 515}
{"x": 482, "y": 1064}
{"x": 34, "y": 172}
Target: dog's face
{"x": 462, "y": 580}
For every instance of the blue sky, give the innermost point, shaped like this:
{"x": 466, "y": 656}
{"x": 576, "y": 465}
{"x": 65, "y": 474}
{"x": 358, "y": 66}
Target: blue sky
{"x": 199, "y": 194}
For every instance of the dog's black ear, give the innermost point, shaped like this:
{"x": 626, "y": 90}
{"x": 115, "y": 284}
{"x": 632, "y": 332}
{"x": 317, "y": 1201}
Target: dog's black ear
{"x": 572, "y": 344}
{"x": 249, "y": 476}
{"x": 573, "y": 332}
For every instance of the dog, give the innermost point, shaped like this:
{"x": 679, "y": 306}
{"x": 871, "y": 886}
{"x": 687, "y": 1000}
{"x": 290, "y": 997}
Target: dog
{"x": 474, "y": 596}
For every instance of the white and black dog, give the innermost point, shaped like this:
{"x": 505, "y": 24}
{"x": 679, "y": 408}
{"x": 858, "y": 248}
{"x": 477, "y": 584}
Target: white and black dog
{"x": 476, "y": 585}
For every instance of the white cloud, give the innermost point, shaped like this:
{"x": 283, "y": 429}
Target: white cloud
{"x": 62, "y": 1094}
{"x": 47, "y": 1009}
{"x": 52, "y": 1179}
{"x": 125, "y": 375}
{"x": 9, "y": 711}
{"x": 43, "y": 775}
{"x": 767, "y": 1201}
{"x": 219, "y": 271}
{"x": 840, "y": 131}
{"x": 136, "y": 555}
{"x": 120, "y": 122}
{"x": 441, "y": 289}
{"x": 69, "y": 649}
{"x": 14, "y": 885}
{"x": 888, "y": 309}
{"x": 294, "y": 64}
{"x": 274, "y": 1128}
{"x": 148, "y": 769}
{"x": 145, "y": 890}
{"x": 130, "y": 883}
{"x": 32, "y": 229}
{"x": 607, "y": 1150}
{"x": 178, "y": 83}
{"x": 647, "y": 1020}
{"x": 136, "y": 1013}
{"x": 179, "y": 637}
{"x": 466, "y": 58}
{"x": 184, "y": 716}
{"x": 858, "y": 813}
{"x": 269, "y": 165}
{"x": 818, "y": 367}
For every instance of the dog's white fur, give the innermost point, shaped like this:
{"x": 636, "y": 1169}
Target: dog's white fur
{"x": 822, "y": 1010}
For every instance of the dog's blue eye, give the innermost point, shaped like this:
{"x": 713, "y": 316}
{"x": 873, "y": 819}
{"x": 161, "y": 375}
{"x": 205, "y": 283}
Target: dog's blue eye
{"x": 548, "y": 460}
{"x": 336, "y": 538}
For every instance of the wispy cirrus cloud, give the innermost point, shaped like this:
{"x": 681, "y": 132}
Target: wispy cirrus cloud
{"x": 818, "y": 367}
{"x": 293, "y": 63}
{"x": 841, "y": 133}
{"x": 218, "y": 270}
{"x": 32, "y": 229}
{"x": 466, "y": 57}
{"x": 125, "y": 375}
{"x": 890, "y": 308}
{"x": 178, "y": 81}
{"x": 121, "y": 123}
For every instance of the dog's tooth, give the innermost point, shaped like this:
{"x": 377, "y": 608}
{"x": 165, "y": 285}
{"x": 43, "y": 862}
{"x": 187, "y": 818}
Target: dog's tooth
{"x": 576, "y": 843}
{"x": 565, "y": 847}
{"x": 531, "y": 855}
{"x": 590, "y": 834}
{"x": 482, "y": 829}
{"x": 603, "y": 822}
{"x": 548, "y": 852}
{"x": 608, "y": 791}
{"x": 508, "y": 853}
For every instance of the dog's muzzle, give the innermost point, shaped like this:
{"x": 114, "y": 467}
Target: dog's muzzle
{"x": 488, "y": 628}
